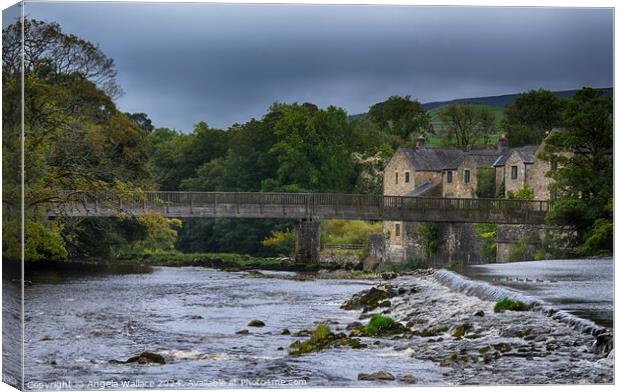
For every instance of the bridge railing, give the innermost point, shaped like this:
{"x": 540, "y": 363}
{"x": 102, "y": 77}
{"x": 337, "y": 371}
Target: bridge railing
{"x": 158, "y": 200}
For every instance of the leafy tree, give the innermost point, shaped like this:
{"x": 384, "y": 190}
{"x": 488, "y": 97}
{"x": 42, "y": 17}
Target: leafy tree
{"x": 142, "y": 120}
{"x": 525, "y": 193}
{"x": 532, "y": 116}
{"x": 466, "y": 124}
{"x": 401, "y": 116}
{"x": 485, "y": 186}
{"x": 583, "y": 181}
{"x": 75, "y": 137}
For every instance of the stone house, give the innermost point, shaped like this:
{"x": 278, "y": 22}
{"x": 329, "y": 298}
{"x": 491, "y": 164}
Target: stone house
{"x": 443, "y": 172}
{"x": 519, "y": 168}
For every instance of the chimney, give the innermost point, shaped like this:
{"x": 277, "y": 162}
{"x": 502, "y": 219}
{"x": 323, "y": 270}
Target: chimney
{"x": 502, "y": 143}
{"x": 421, "y": 143}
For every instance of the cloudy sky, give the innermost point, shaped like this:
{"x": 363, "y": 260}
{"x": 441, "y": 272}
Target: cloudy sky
{"x": 184, "y": 63}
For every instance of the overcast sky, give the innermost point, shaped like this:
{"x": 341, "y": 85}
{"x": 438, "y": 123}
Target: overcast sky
{"x": 184, "y": 63}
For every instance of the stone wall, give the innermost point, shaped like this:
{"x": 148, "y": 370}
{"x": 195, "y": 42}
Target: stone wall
{"x": 509, "y": 237}
{"x": 458, "y": 187}
{"x": 398, "y": 164}
{"x": 537, "y": 179}
{"x": 513, "y": 185}
{"x": 458, "y": 244}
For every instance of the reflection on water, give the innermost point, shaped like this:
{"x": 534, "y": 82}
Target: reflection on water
{"x": 584, "y": 288}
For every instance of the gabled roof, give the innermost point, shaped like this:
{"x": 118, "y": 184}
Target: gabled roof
{"x": 484, "y": 158}
{"x": 526, "y": 154}
{"x": 431, "y": 159}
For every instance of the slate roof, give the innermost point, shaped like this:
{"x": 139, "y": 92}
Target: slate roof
{"x": 484, "y": 158}
{"x": 431, "y": 159}
{"x": 526, "y": 154}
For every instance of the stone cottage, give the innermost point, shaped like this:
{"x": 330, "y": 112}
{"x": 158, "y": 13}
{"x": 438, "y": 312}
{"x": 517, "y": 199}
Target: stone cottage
{"x": 443, "y": 172}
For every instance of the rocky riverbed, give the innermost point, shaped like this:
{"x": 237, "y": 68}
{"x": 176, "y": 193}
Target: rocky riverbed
{"x": 464, "y": 334}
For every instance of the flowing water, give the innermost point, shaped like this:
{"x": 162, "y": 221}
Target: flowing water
{"x": 76, "y": 326}
{"x": 190, "y": 315}
{"x": 583, "y": 288}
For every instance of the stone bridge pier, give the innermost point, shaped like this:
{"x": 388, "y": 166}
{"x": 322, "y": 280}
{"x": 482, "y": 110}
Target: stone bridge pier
{"x": 308, "y": 241}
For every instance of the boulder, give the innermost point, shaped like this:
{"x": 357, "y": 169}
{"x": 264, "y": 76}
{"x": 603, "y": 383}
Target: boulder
{"x": 603, "y": 344}
{"x": 368, "y": 299}
{"x": 381, "y": 375}
{"x": 285, "y": 331}
{"x": 243, "y": 332}
{"x": 408, "y": 378}
{"x": 146, "y": 358}
{"x": 479, "y": 313}
{"x": 256, "y": 323}
{"x": 354, "y": 325}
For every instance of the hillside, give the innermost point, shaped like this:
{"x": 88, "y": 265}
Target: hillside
{"x": 495, "y": 103}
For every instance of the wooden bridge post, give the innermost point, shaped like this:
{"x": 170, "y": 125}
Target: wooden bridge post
{"x": 308, "y": 242}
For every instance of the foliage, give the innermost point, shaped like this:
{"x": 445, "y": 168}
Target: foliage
{"x": 428, "y": 238}
{"x": 76, "y": 139}
{"x": 583, "y": 181}
{"x": 487, "y": 235}
{"x": 600, "y": 239}
{"x": 532, "y": 116}
{"x": 401, "y": 116}
{"x": 485, "y": 186}
{"x": 525, "y": 193}
{"x": 337, "y": 231}
{"x": 509, "y": 304}
{"x": 500, "y": 193}
{"x": 282, "y": 242}
{"x": 466, "y": 123}
{"x": 379, "y": 324}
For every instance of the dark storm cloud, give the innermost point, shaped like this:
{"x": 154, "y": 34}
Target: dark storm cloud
{"x": 183, "y": 63}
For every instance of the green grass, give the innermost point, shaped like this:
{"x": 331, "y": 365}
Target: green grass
{"x": 230, "y": 261}
{"x": 509, "y": 304}
{"x": 379, "y": 324}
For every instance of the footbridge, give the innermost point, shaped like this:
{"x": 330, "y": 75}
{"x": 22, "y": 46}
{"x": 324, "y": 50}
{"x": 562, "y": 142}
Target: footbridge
{"x": 307, "y": 208}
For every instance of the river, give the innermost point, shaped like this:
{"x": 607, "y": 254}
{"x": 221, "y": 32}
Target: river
{"x": 76, "y": 326}
{"x": 584, "y": 288}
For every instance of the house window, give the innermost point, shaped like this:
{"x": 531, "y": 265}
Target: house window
{"x": 466, "y": 176}
{"x": 554, "y": 165}
{"x": 449, "y": 177}
{"x": 396, "y": 178}
{"x": 397, "y": 230}
{"x": 407, "y": 179}
{"x": 514, "y": 172}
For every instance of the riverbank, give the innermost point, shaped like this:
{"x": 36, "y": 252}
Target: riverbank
{"x": 463, "y": 334}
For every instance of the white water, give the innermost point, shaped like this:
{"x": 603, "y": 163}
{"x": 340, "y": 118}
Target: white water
{"x": 489, "y": 292}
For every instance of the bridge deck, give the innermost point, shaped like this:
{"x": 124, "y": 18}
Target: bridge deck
{"x": 310, "y": 205}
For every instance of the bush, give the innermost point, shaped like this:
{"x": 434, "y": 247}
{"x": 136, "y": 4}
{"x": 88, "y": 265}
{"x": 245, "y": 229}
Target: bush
{"x": 282, "y": 242}
{"x": 487, "y": 235}
{"x": 428, "y": 238}
{"x": 522, "y": 194}
{"x": 486, "y": 182}
{"x": 380, "y": 324}
{"x": 509, "y": 304}
{"x": 348, "y": 231}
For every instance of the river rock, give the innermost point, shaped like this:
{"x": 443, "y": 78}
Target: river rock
{"x": 389, "y": 275}
{"x": 603, "y": 344}
{"x": 479, "y": 313}
{"x": 354, "y": 325}
{"x": 367, "y": 299}
{"x": 146, "y": 358}
{"x": 243, "y": 332}
{"x": 285, "y": 331}
{"x": 256, "y": 323}
{"x": 408, "y": 378}
{"x": 381, "y": 375}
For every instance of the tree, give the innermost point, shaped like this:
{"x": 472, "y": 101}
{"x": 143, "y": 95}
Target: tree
{"x": 466, "y": 123}
{"x": 75, "y": 138}
{"x": 532, "y": 116}
{"x": 401, "y": 116}
{"x": 142, "y": 120}
{"x": 50, "y": 54}
{"x": 583, "y": 181}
